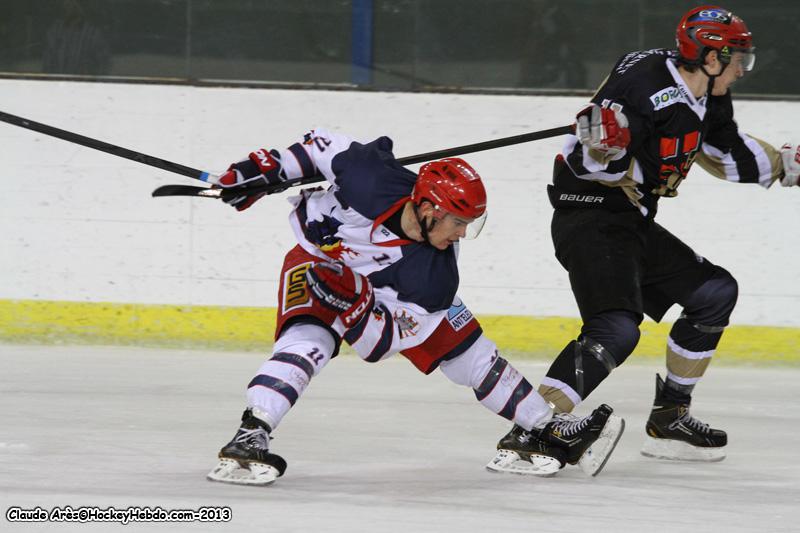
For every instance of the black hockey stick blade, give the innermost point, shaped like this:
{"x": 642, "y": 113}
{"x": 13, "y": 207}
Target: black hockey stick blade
{"x": 187, "y": 190}
{"x": 208, "y": 192}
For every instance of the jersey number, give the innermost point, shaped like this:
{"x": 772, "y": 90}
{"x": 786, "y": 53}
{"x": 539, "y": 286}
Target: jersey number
{"x": 678, "y": 155}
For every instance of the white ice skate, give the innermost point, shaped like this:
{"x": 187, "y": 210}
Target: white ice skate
{"x": 676, "y": 450}
{"x": 534, "y": 465}
{"x": 595, "y": 457}
{"x": 246, "y": 473}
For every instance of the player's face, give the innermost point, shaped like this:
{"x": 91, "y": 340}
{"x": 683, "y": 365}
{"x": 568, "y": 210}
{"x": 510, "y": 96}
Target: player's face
{"x": 448, "y": 229}
{"x": 730, "y": 74}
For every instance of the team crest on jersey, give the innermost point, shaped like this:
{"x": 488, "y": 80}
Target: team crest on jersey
{"x": 406, "y": 324}
{"x": 458, "y": 315}
{"x": 295, "y": 288}
{"x": 322, "y": 233}
{"x": 336, "y": 250}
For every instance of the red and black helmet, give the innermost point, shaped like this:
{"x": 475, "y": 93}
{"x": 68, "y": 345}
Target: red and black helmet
{"x": 707, "y": 28}
{"x": 452, "y": 185}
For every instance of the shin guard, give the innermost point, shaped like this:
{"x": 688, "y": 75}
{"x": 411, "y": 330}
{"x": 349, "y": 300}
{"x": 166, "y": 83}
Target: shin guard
{"x": 695, "y": 335}
{"x": 497, "y": 384}
{"x": 299, "y": 354}
{"x": 576, "y": 372}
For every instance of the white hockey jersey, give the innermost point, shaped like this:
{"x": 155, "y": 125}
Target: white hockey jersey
{"x": 415, "y": 283}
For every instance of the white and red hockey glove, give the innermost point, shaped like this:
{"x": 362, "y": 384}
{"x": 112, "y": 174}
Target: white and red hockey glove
{"x": 342, "y": 290}
{"x": 261, "y": 166}
{"x": 603, "y": 129}
{"x": 791, "y": 164}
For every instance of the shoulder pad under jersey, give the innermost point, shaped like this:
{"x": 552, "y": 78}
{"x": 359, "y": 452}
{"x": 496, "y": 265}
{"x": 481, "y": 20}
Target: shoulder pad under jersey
{"x": 370, "y": 179}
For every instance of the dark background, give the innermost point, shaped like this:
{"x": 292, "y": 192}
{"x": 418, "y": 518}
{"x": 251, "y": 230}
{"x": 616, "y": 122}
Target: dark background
{"x": 514, "y": 45}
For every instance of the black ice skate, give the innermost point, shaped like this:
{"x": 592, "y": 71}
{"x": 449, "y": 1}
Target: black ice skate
{"x": 524, "y": 452}
{"x": 246, "y": 459}
{"x": 672, "y": 433}
{"x": 587, "y": 441}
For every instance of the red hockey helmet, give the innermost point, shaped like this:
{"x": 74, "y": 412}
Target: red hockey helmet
{"x": 707, "y": 28}
{"x": 452, "y": 185}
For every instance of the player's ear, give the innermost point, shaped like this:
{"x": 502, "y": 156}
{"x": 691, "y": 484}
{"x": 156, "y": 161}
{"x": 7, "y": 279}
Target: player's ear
{"x": 712, "y": 57}
{"x": 425, "y": 208}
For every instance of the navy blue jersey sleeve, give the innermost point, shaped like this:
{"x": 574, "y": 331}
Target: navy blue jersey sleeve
{"x": 369, "y": 178}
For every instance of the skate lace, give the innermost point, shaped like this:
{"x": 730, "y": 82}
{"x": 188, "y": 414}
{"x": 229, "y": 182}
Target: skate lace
{"x": 568, "y": 425}
{"x": 688, "y": 420}
{"x": 255, "y": 438}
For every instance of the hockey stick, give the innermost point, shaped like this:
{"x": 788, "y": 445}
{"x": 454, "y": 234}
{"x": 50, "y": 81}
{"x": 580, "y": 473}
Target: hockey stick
{"x": 118, "y": 151}
{"x": 205, "y": 192}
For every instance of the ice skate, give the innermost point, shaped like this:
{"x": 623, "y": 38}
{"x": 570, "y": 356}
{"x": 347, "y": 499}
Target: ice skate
{"x": 588, "y": 441}
{"x": 672, "y": 433}
{"x": 246, "y": 460}
{"x": 523, "y": 452}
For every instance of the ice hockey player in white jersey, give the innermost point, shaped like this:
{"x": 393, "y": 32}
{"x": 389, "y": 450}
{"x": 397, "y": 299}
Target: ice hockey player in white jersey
{"x": 656, "y": 113}
{"x": 375, "y": 266}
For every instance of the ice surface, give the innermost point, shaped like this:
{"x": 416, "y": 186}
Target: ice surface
{"x": 372, "y": 448}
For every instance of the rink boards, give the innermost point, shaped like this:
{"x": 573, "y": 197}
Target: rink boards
{"x": 252, "y": 328}
{"x": 91, "y": 258}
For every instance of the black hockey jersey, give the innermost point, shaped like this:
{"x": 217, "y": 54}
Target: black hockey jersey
{"x": 670, "y": 129}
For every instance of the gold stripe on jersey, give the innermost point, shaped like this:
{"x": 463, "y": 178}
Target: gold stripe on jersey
{"x": 775, "y": 159}
{"x": 716, "y": 166}
{"x": 600, "y": 157}
{"x": 628, "y": 186}
{"x": 712, "y": 165}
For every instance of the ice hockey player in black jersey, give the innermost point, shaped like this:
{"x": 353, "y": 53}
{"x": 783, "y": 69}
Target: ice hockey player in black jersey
{"x": 658, "y": 112}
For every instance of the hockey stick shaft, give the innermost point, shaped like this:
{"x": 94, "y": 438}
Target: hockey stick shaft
{"x": 486, "y": 145}
{"x": 112, "y": 149}
{"x": 189, "y": 190}
{"x": 201, "y": 175}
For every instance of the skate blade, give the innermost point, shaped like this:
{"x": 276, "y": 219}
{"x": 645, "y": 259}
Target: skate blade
{"x": 596, "y": 456}
{"x": 231, "y": 471}
{"x": 510, "y": 462}
{"x": 676, "y": 450}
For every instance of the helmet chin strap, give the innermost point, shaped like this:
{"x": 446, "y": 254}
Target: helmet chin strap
{"x": 711, "y": 77}
{"x": 424, "y": 229}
